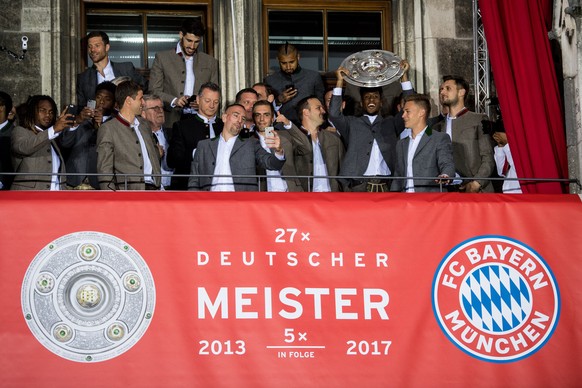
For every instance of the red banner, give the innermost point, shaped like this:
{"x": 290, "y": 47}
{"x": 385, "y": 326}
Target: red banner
{"x": 262, "y": 289}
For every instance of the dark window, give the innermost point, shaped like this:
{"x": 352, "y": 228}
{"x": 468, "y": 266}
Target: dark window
{"x": 326, "y": 34}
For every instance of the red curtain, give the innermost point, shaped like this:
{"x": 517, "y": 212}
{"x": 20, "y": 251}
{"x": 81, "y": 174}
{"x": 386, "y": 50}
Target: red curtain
{"x": 525, "y": 78}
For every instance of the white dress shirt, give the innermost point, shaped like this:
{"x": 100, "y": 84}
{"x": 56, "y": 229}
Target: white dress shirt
{"x": 223, "y": 165}
{"x": 377, "y": 165}
{"x": 55, "y": 160}
{"x": 319, "y": 169}
{"x": 147, "y": 164}
{"x": 412, "y": 146}
{"x": 501, "y": 155}
{"x": 274, "y": 180}
{"x": 108, "y": 71}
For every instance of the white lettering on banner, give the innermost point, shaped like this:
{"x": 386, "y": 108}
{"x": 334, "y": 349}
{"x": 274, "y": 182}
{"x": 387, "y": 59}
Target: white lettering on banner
{"x": 349, "y": 303}
{"x": 494, "y": 343}
{"x": 294, "y": 259}
{"x": 498, "y": 252}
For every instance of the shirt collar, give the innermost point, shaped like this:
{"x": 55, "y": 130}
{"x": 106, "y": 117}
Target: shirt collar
{"x": 211, "y": 120}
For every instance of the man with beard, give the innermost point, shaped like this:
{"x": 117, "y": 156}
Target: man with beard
{"x": 177, "y": 73}
{"x": 292, "y": 83}
{"x": 34, "y": 146}
{"x": 316, "y": 152}
{"x": 187, "y": 133}
{"x": 102, "y": 70}
{"x": 232, "y": 159}
{"x": 264, "y": 117}
{"x": 472, "y": 148}
{"x": 370, "y": 138}
{"x": 82, "y": 141}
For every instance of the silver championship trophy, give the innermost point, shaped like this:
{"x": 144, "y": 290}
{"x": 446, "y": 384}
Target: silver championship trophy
{"x": 372, "y": 68}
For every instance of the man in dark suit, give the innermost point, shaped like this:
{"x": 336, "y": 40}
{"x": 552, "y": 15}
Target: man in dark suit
{"x": 178, "y": 73}
{"x": 371, "y": 139}
{"x": 81, "y": 141}
{"x": 187, "y": 133}
{"x": 153, "y": 112}
{"x": 472, "y": 148}
{"x": 102, "y": 70}
{"x": 5, "y": 135}
{"x": 293, "y": 83}
{"x": 315, "y": 152}
{"x": 127, "y": 157}
{"x": 425, "y": 153}
{"x": 229, "y": 158}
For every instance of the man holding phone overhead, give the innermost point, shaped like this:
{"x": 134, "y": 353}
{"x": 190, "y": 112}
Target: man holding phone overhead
{"x": 292, "y": 83}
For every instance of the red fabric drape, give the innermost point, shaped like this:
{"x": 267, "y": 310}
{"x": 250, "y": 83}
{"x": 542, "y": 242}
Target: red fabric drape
{"x": 523, "y": 68}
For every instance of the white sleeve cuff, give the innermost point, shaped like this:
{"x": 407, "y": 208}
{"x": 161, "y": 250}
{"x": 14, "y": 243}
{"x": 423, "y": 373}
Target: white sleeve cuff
{"x": 406, "y": 85}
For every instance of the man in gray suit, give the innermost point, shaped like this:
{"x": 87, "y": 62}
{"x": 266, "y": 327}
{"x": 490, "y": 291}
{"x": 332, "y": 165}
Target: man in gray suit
{"x": 472, "y": 148}
{"x": 125, "y": 146}
{"x": 177, "y": 73}
{"x": 370, "y": 138}
{"x": 227, "y": 157}
{"x": 424, "y": 153}
{"x": 102, "y": 70}
{"x": 34, "y": 146}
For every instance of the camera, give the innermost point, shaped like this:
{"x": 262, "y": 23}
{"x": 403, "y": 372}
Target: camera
{"x": 289, "y": 86}
{"x": 192, "y": 99}
{"x": 24, "y": 43}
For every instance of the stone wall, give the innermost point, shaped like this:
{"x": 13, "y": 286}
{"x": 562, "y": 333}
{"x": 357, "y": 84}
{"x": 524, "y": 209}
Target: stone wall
{"x": 49, "y": 64}
{"x": 436, "y": 36}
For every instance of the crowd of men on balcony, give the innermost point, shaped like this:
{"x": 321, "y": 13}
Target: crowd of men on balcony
{"x": 284, "y": 134}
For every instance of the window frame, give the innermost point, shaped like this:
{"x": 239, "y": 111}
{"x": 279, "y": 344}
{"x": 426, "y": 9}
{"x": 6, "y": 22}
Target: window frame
{"x": 384, "y": 7}
{"x": 187, "y": 7}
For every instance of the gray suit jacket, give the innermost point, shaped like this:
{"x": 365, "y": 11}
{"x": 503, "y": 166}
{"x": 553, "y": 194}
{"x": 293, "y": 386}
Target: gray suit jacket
{"x": 31, "y": 153}
{"x": 359, "y": 136}
{"x": 472, "y": 149}
{"x": 168, "y": 76}
{"x": 433, "y": 157}
{"x": 246, "y": 155}
{"x": 119, "y": 152}
{"x": 332, "y": 150}
{"x": 87, "y": 80}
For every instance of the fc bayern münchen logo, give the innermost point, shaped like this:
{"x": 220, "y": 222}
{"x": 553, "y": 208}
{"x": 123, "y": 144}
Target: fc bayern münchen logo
{"x": 496, "y": 299}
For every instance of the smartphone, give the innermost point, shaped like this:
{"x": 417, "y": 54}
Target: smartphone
{"x": 269, "y": 132}
{"x": 72, "y": 109}
{"x": 289, "y": 86}
{"x": 91, "y": 104}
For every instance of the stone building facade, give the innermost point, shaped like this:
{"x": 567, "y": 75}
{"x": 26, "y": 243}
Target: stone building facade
{"x": 436, "y": 36}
